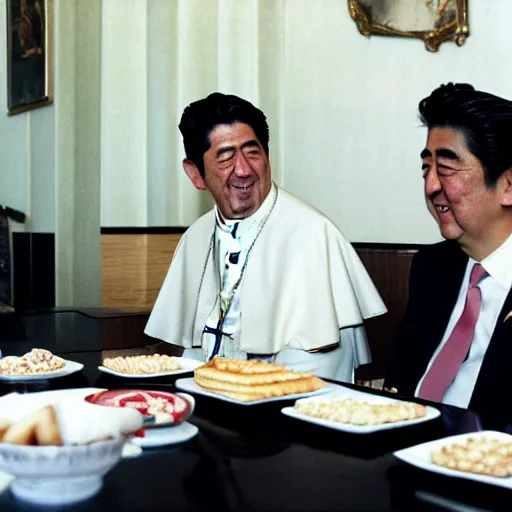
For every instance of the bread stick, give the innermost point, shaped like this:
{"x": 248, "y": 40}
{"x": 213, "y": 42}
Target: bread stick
{"x": 4, "y": 425}
{"x": 22, "y": 431}
{"x": 39, "y": 427}
{"x": 47, "y": 428}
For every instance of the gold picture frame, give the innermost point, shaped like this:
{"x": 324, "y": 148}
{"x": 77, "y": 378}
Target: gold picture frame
{"x": 29, "y": 54}
{"x": 433, "y": 21}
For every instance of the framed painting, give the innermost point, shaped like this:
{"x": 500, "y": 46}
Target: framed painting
{"x": 433, "y": 21}
{"x": 29, "y": 54}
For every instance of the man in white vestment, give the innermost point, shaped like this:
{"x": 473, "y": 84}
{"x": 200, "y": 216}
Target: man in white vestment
{"x": 262, "y": 275}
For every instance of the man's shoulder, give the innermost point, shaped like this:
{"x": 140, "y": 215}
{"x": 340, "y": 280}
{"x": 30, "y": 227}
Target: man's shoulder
{"x": 444, "y": 255}
{"x": 302, "y": 213}
{"x": 445, "y": 249}
{"x": 202, "y": 226}
{"x": 291, "y": 201}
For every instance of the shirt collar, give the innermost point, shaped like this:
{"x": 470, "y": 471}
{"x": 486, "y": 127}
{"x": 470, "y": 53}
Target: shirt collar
{"x": 244, "y": 225}
{"x": 498, "y": 264}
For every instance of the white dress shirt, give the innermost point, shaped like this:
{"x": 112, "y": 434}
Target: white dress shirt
{"x": 494, "y": 289}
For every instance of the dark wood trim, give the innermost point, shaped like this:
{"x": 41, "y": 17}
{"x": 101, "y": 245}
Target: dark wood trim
{"x": 153, "y": 230}
{"x": 33, "y": 270}
{"x": 388, "y": 266}
{"x": 384, "y": 247}
{"x": 178, "y": 230}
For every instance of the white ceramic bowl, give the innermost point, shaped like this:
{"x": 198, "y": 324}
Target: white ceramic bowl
{"x": 56, "y": 475}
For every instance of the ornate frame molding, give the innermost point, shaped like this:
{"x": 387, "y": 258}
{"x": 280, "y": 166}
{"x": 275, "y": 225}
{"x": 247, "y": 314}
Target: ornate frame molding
{"x": 457, "y": 30}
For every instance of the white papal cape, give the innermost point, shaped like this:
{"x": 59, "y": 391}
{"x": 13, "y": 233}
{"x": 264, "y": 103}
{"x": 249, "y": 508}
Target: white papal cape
{"x": 303, "y": 283}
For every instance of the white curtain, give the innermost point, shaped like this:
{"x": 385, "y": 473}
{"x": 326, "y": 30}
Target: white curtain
{"x": 157, "y": 57}
{"x": 342, "y": 108}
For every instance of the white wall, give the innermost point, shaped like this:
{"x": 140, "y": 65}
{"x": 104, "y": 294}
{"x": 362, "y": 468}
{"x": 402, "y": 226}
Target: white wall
{"x": 352, "y": 137}
{"x": 78, "y": 152}
{"x": 342, "y": 108}
{"x": 50, "y": 156}
{"x": 342, "y": 111}
{"x": 27, "y": 155}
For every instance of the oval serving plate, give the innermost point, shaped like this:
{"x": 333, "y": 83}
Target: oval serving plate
{"x": 161, "y": 409}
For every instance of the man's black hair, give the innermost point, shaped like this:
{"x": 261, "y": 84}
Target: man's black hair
{"x": 201, "y": 117}
{"x": 485, "y": 121}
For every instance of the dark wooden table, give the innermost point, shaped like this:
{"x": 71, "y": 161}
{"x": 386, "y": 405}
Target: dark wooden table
{"x": 253, "y": 458}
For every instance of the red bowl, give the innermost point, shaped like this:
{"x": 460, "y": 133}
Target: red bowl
{"x": 167, "y": 408}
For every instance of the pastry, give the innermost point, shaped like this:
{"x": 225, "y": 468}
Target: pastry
{"x": 70, "y": 422}
{"x": 346, "y": 410}
{"x": 477, "y": 455}
{"x": 37, "y": 361}
{"x": 253, "y": 379}
{"x": 40, "y": 427}
{"x": 4, "y": 425}
{"x": 142, "y": 365}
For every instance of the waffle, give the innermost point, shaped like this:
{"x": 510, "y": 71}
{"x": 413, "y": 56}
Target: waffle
{"x": 483, "y": 456}
{"x": 142, "y": 365}
{"x": 346, "y": 410}
{"x": 253, "y": 380}
{"x": 36, "y": 362}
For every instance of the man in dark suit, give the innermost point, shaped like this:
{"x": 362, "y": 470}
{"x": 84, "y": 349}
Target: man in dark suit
{"x": 455, "y": 341}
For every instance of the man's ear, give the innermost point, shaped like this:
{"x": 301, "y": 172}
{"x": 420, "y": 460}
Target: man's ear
{"x": 194, "y": 174}
{"x": 506, "y": 196}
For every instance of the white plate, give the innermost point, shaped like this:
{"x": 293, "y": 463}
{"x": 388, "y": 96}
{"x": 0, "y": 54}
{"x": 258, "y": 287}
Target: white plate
{"x": 164, "y": 436}
{"x": 69, "y": 368}
{"x": 188, "y": 384}
{"x": 419, "y": 456}
{"x": 354, "y": 394}
{"x": 188, "y": 365}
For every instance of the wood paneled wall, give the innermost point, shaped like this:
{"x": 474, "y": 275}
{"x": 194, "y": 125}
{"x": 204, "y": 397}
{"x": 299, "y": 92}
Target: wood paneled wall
{"x": 134, "y": 267}
{"x": 388, "y": 266}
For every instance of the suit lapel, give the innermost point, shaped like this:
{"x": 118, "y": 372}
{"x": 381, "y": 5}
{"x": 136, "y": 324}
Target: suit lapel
{"x": 435, "y": 280}
{"x": 447, "y": 282}
{"x": 494, "y": 380}
{"x": 507, "y": 308}
{"x": 450, "y": 279}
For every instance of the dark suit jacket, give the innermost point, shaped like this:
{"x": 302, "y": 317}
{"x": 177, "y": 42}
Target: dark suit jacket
{"x": 436, "y": 276}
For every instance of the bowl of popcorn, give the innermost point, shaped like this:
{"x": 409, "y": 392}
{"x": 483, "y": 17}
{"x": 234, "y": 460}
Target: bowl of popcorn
{"x": 36, "y": 362}
{"x": 59, "y": 452}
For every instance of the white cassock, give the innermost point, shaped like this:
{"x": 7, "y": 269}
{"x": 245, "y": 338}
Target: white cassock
{"x": 301, "y": 301}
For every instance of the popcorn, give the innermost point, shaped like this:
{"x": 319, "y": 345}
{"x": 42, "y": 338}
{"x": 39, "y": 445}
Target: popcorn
{"x": 483, "y": 456}
{"x": 346, "y": 410}
{"x": 35, "y": 362}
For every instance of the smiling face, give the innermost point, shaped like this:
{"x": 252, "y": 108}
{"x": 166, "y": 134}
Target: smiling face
{"x": 465, "y": 209}
{"x": 237, "y": 170}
